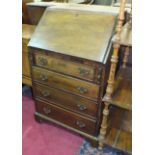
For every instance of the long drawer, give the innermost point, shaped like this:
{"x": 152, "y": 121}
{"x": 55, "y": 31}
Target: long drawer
{"x": 66, "y": 100}
{"x": 66, "y": 83}
{"x": 83, "y": 71}
{"x": 66, "y": 117}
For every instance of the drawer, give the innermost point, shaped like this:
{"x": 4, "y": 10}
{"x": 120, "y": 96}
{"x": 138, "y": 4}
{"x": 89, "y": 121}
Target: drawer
{"x": 66, "y": 83}
{"x": 82, "y": 71}
{"x": 74, "y": 120}
{"x": 66, "y": 100}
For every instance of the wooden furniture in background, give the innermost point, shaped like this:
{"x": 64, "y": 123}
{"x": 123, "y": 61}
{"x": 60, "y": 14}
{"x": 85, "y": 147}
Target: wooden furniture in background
{"x": 35, "y": 10}
{"x": 27, "y": 31}
{"x": 116, "y": 3}
{"x": 25, "y": 17}
{"x": 116, "y": 127}
{"x": 69, "y": 54}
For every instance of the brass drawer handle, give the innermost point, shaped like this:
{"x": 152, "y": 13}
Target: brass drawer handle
{"x": 44, "y": 77}
{"x": 45, "y": 93}
{"x": 80, "y": 124}
{"x": 46, "y": 110}
{"x": 83, "y": 72}
{"x": 42, "y": 61}
{"x": 81, "y": 107}
{"x": 82, "y": 90}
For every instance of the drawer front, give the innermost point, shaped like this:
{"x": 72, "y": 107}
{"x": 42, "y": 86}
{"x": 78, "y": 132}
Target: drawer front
{"x": 66, "y": 83}
{"x": 66, "y": 117}
{"x": 66, "y": 100}
{"x": 64, "y": 66}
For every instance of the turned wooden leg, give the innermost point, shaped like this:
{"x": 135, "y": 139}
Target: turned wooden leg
{"x": 103, "y": 129}
{"x": 111, "y": 79}
{"x": 125, "y": 59}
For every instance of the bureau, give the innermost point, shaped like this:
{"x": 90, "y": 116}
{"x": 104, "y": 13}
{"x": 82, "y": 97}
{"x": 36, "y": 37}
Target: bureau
{"x": 69, "y": 57}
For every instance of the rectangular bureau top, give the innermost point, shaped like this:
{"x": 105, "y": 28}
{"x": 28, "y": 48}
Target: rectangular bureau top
{"x": 84, "y": 34}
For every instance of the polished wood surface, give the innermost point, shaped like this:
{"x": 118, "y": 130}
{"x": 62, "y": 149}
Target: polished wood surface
{"x": 74, "y": 120}
{"x": 27, "y": 31}
{"x": 66, "y": 83}
{"x": 122, "y": 95}
{"x": 119, "y": 139}
{"x": 63, "y": 24}
{"x": 25, "y": 65}
{"x": 72, "y": 94}
{"x": 126, "y": 57}
{"x": 26, "y": 80}
{"x": 119, "y": 133}
{"x": 67, "y": 101}
{"x": 40, "y": 118}
{"x": 61, "y": 65}
{"x": 79, "y": 68}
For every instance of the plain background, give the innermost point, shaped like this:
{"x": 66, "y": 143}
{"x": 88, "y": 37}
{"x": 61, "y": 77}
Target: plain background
{"x": 143, "y": 56}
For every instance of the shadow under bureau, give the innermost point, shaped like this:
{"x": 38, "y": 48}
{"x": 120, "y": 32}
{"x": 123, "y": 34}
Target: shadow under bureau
{"x": 69, "y": 57}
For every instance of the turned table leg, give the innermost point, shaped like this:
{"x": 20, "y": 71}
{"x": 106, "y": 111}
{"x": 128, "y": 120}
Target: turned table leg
{"x": 111, "y": 79}
{"x": 104, "y": 124}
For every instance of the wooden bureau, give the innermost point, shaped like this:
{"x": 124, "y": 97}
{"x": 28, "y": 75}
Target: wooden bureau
{"x": 69, "y": 57}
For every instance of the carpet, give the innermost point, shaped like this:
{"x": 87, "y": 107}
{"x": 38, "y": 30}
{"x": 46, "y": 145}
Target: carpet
{"x": 86, "y": 149}
{"x": 45, "y": 139}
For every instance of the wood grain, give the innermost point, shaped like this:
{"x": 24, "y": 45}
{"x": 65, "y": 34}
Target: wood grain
{"x": 67, "y": 101}
{"x": 27, "y": 31}
{"x": 66, "y": 83}
{"x": 122, "y": 95}
{"x": 67, "y": 117}
{"x": 119, "y": 131}
{"x": 66, "y": 67}
{"x": 84, "y": 26}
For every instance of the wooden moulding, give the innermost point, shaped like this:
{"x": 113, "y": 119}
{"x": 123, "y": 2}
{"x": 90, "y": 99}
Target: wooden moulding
{"x": 122, "y": 95}
{"x": 119, "y": 133}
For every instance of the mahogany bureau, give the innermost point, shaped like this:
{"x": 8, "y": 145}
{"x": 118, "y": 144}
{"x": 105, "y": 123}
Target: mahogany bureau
{"x": 69, "y": 55}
